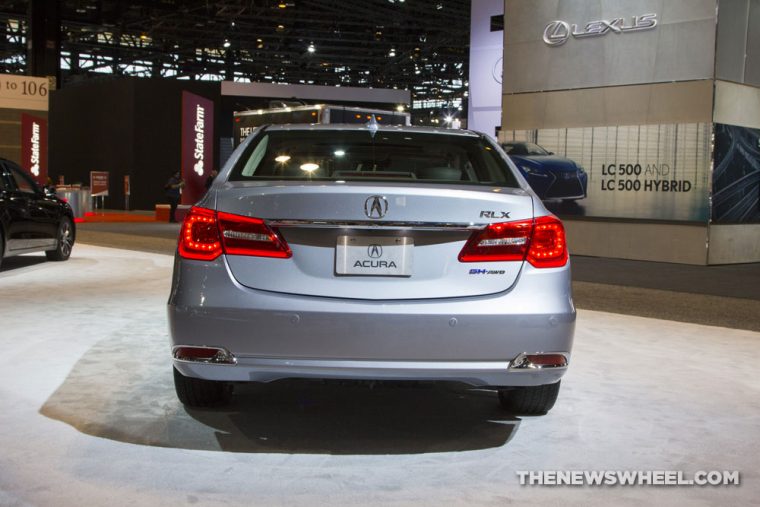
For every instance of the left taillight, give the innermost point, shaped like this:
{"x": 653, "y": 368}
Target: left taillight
{"x": 206, "y": 234}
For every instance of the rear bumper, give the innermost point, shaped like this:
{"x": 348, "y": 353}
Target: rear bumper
{"x": 275, "y": 336}
{"x": 478, "y": 373}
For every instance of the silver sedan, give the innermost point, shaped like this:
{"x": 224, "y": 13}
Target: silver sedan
{"x": 370, "y": 252}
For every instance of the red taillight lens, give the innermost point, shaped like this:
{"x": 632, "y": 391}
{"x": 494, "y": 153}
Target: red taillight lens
{"x": 506, "y": 241}
{"x": 541, "y": 242}
{"x": 251, "y": 236}
{"x": 199, "y": 238}
{"x": 207, "y": 234}
{"x": 548, "y": 246}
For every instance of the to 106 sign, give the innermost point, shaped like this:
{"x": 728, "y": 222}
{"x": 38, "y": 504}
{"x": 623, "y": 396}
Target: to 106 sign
{"x": 23, "y": 92}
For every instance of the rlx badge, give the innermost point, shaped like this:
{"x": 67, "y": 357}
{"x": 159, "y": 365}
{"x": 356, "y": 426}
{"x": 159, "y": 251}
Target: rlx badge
{"x": 558, "y": 32}
{"x": 494, "y": 214}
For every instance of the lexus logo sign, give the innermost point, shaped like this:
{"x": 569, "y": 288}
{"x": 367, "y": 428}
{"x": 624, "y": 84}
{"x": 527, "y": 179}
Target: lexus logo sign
{"x": 558, "y": 32}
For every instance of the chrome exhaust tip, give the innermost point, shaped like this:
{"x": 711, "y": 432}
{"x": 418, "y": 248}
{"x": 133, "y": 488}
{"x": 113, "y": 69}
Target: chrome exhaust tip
{"x": 203, "y": 354}
{"x": 538, "y": 361}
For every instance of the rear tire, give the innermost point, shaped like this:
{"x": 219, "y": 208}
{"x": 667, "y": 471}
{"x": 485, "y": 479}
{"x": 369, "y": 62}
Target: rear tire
{"x": 195, "y": 392}
{"x": 65, "y": 243}
{"x": 533, "y": 400}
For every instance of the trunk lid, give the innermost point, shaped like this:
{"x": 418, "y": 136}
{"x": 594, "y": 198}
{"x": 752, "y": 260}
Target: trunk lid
{"x": 418, "y": 231}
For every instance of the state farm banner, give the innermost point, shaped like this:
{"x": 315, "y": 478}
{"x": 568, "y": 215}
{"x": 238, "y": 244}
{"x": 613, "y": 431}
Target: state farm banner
{"x": 99, "y": 183}
{"x": 34, "y": 147}
{"x": 197, "y": 145}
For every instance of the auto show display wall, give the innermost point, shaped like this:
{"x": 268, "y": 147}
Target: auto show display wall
{"x": 486, "y": 52}
{"x": 23, "y": 122}
{"x": 648, "y": 111}
{"x": 126, "y": 126}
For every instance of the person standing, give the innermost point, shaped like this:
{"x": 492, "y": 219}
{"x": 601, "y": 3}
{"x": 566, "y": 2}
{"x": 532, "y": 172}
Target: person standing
{"x": 173, "y": 190}
{"x": 210, "y": 178}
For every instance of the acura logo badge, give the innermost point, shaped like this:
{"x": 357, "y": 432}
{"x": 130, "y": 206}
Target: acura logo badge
{"x": 375, "y": 251}
{"x": 376, "y": 206}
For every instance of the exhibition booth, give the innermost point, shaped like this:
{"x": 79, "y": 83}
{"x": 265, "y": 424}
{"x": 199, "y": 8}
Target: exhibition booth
{"x": 659, "y": 107}
{"x": 140, "y": 131}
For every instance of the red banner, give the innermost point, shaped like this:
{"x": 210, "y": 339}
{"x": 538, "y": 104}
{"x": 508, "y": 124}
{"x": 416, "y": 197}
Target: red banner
{"x": 197, "y": 145}
{"x": 34, "y": 147}
{"x": 99, "y": 183}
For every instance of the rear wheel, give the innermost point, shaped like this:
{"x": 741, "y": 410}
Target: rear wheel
{"x": 65, "y": 239}
{"x": 533, "y": 400}
{"x": 195, "y": 392}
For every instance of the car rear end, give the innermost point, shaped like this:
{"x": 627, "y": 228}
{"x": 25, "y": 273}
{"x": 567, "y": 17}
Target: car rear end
{"x": 371, "y": 253}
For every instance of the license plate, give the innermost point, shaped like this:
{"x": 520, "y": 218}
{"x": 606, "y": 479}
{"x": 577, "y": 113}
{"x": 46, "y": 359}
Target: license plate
{"x": 374, "y": 256}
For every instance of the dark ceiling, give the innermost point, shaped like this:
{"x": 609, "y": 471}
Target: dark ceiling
{"x": 420, "y": 45}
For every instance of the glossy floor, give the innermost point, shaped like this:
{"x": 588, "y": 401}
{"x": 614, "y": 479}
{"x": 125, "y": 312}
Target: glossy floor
{"x": 90, "y": 418}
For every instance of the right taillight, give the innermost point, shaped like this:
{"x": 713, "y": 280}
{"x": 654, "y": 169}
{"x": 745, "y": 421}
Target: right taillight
{"x": 548, "y": 246}
{"x": 206, "y": 234}
{"x": 540, "y": 241}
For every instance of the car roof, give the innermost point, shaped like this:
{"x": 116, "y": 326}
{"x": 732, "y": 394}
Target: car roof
{"x": 380, "y": 128}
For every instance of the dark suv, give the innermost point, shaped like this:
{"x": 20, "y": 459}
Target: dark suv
{"x": 32, "y": 219}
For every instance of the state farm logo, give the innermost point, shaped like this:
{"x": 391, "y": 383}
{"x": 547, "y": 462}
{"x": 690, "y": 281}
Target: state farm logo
{"x": 200, "y": 131}
{"x": 558, "y": 32}
{"x": 35, "y": 141}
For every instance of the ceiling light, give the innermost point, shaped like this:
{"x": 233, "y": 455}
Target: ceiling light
{"x": 339, "y": 153}
{"x": 282, "y": 159}
{"x": 280, "y": 28}
{"x": 392, "y": 52}
{"x": 400, "y": 108}
{"x": 226, "y": 43}
{"x": 309, "y": 167}
{"x": 311, "y": 48}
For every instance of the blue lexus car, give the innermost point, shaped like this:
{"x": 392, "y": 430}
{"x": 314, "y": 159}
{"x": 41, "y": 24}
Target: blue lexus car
{"x": 550, "y": 176}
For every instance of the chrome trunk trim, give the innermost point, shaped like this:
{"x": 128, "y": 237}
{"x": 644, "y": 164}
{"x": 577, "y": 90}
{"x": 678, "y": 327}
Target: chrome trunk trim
{"x": 367, "y": 224}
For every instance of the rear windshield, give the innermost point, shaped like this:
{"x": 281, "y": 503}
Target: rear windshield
{"x": 358, "y": 155}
